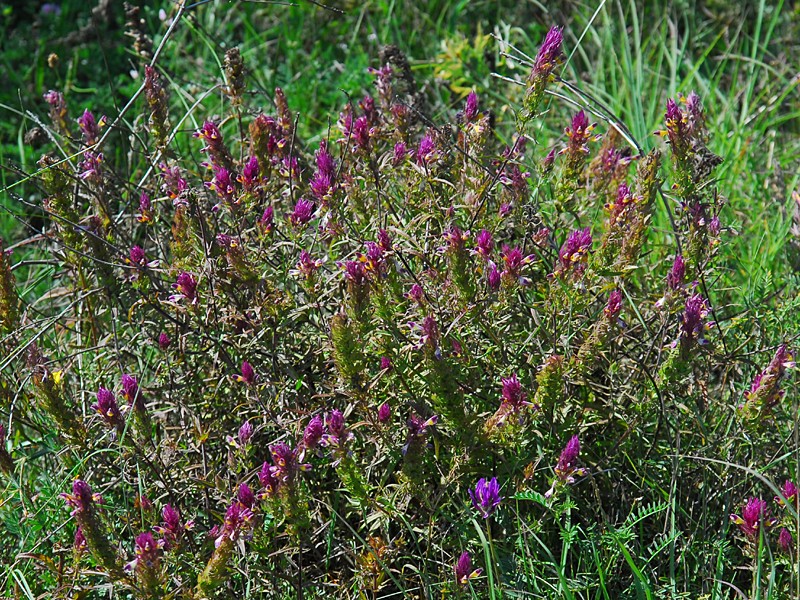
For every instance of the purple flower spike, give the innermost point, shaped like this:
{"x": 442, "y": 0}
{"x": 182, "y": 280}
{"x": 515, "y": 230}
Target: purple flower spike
{"x": 785, "y": 540}
{"x": 147, "y": 551}
{"x": 486, "y": 496}
{"x": 106, "y": 407}
{"x": 494, "y": 277}
{"x": 246, "y": 496}
{"x": 303, "y": 212}
{"x": 575, "y": 251}
{"x": 790, "y": 492}
{"x": 426, "y": 153}
{"x": 484, "y": 244}
{"x": 614, "y": 306}
{"x": 81, "y": 499}
{"x": 513, "y": 393}
{"x": 186, "y": 288}
{"x": 131, "y": 392}
{"x": 676, "y": 273}
{"x": 384, "y": 413}
{"x": 464, "y": 570}
{"x": 471, "y": 108}
{"x": 245, "y": 433}
{"x": 754, "y": 514}
{"x": 248, "y": 375}
{"x": 386, "y": 363}
{"x": 549, "y": 54}
{"x": 163, "y": 341}
{"x": 313, "y": 432}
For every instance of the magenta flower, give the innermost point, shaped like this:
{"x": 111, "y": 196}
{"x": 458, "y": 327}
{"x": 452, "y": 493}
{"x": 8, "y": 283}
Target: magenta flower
{"x": 186, "y": 288}
{"x": 471, "y": 107}
{"x": 494, "y": 277}
{"x": 384, "y": 413}
{"x": 790, "y": 492}
{"x": 416, "y": 293}
{"x": 463, "y": 569}
{"x": 515, "y": 262}
{"x": 400, "y": 153}
{"x": 246, "y": 496}
{"x": 614, "y": 306}
{"x": 244, "y": 434}
{"x": 579, "y": 135}
{"x": 418, "y": 432}
{"x": 785, "y": 540}
{"x": 313, "y": 432}
{"x": 91, "y": 166}
{"x": 386, "y": 363}
{"x": 224, "y": 185}
{"x": 106, "y": 407}
{"x": 574, "y": 252}
{"x": 355, "y": 272}
{"x": 455, "y": 239}
{"x": 164, "y": 341}
{"x": 174, "y": 185}
{"x": 384, "y": 241}
{"x": 486, "y": 496}
{"x": 250, "y": 177}
{"x": 172, "y": 529}
{"x": 267, "y": 221}
{"x": 426, "y": 152}
{"x": 307, "y": 266}
{"x": 90, "y": 128}
{"x": 765, "y": 391}
{"x": 549, "y": 55}
{"x": 484, "y": 244}
{"x": 131, "y": 392}
{"x": 137, "y": 256}
{"x": 269, "y": 483}
{"x": 79, "y": 542}
{"x": 286, "y": 463}
{"x": 145, "y": 209}
{"x": 362, "y": 132}
{"x": 513, "y": 394}
{"x": 676, "y": 273}
{"x": 693, "y": 323}
{"x": 237, "y": 519}
{"x": 322, "y": 184}
{"x": 303, "y": 212}
{"x": 248, "y": 375}
{"x": 147, "y": 552}
{"x": 754, "y": 515}
{"x": 81, "y": 499}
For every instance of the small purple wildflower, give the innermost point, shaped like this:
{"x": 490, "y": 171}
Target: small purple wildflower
{"x": 614, "y": 306}
{"x": 384, "y": 413}
{"x": 790, "y": 492}
{"x": 426, "y": 152}
{"x": 106, "y": 407}
{"x": 172, "y": 529}
{"x": 246, "y": 496}
{"x": 494, "y": 277}
{"x": 186, "y": 288}
{"x": 90, "y": 128}
{"x": 484, "y": 244}
{"x": 574, "y": 252}
{"x": 676, "y": 273}
{"x": 313, "y": 432}
{"x": 463, "y": 569}
{"x": 754, "y": 514}
{"x": 549, "y": 55}
{"x": 785, "y": 540}
{"x": 486, "y": 496}
{"x": 399, "y": 154}
{"x": 132, "y": 393}
{"x": 515, "y": 262}
{"x": 164, "y": 341}
{"x": 693, "y": 321}
{"x": 386, "y": 363}
{"x": 471, "y": 108}
{"x": 237, "y": 518}
{"x": 513, "y": 394}
{"x": 303, "y": 212}
{"x": 250, "y": 178}
{"x": 82, "y": 500}
{"x": 267, "y": 221}
{"x": 248, "y": 375}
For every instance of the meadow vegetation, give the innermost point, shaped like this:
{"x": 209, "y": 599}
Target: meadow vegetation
{"x": 386, "y": 300}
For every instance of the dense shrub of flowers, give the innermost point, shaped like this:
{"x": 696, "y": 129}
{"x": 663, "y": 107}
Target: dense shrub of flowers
{"x": 344, "y": 366}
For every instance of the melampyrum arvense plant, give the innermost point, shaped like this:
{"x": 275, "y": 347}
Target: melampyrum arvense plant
{"x": 312, "y": 351}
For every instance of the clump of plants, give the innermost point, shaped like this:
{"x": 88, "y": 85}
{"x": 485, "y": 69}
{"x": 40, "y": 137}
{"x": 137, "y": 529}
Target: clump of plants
{"x": 410, "y": 358}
